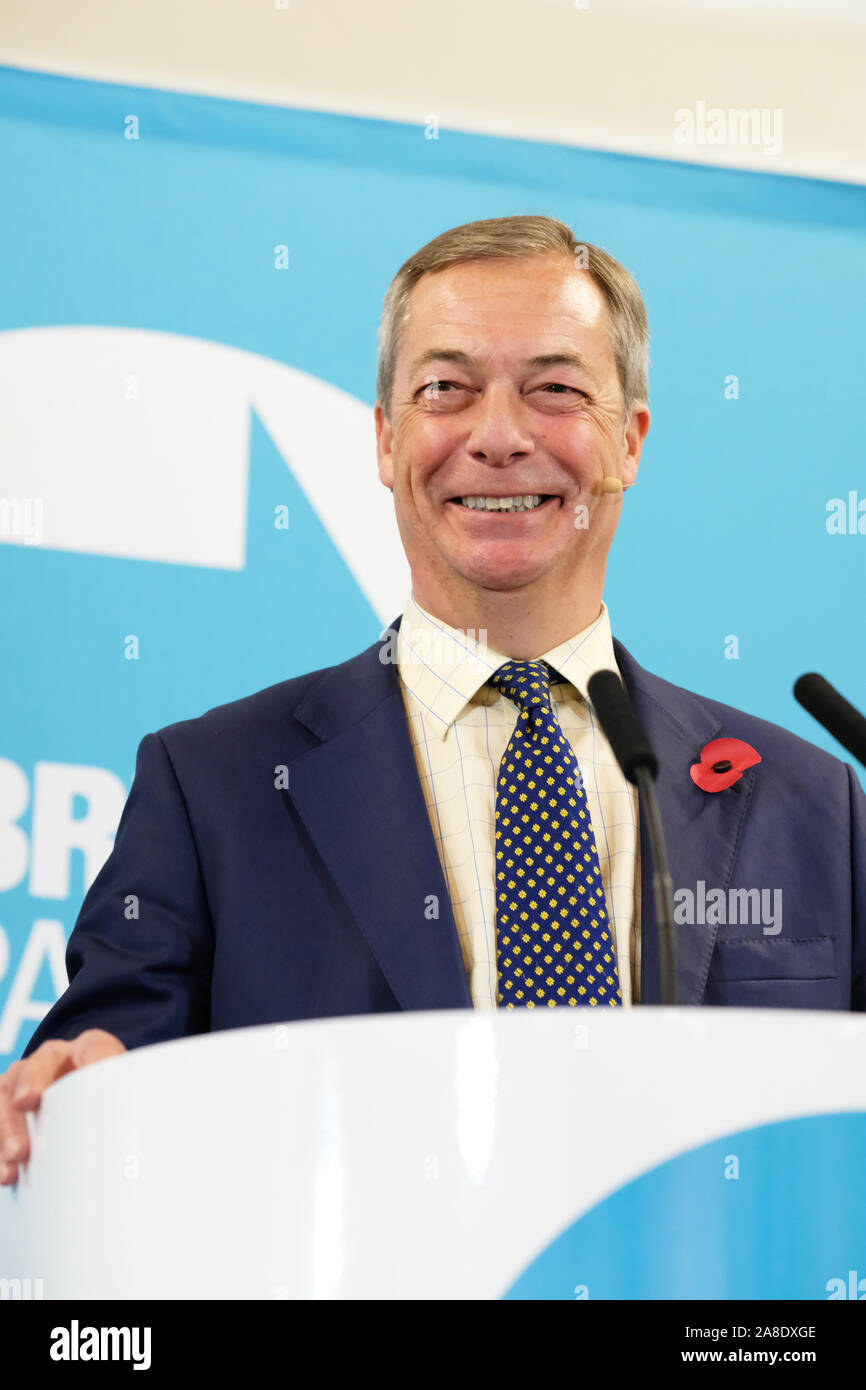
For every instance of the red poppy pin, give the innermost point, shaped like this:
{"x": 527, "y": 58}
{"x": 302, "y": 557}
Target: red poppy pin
{"x": 723, "y": 762}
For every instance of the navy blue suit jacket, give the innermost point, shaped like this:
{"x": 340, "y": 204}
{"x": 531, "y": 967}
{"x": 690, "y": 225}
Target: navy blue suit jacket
{"x": 230, "y": 899}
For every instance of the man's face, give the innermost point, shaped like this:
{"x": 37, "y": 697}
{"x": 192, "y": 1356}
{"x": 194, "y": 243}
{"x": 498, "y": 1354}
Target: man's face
{"x": 475, "y": 414}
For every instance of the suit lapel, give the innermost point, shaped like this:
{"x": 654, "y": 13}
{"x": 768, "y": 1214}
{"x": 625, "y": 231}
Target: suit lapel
{"x": 360, "y": 798}
{"x": 701, "y": 828}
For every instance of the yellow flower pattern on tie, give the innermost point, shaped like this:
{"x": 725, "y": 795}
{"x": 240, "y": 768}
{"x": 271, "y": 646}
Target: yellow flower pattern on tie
{"x": 553, "y": 939}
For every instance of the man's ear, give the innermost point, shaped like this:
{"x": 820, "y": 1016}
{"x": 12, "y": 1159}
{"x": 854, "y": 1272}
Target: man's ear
{"x": 384, "y": 437}
{"x": 636, "y": 430}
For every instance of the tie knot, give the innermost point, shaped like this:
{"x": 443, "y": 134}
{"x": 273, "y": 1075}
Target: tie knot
{"x": 526, "y": 683}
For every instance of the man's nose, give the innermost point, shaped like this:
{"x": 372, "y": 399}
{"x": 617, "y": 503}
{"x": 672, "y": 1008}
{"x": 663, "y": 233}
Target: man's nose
{"x": 499, "y": 430}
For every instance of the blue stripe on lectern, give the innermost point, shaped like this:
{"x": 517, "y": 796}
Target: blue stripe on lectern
{"x": 777, "y": 1212}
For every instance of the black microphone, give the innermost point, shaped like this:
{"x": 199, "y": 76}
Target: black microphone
{"x": 831, "y": 709}
{"x": 633, "y": 751}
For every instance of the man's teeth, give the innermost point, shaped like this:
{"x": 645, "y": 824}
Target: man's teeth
{"x": 525, "y": 503}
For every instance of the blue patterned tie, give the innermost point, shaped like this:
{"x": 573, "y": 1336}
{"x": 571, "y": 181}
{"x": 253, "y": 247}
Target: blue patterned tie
{"x": 553, "y": 938}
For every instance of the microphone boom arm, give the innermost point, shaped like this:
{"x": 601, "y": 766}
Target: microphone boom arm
{"x": 663, "y": 887}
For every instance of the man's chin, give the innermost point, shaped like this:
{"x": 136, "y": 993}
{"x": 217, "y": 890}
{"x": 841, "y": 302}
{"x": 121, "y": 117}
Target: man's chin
{"x": 502, "y": 578}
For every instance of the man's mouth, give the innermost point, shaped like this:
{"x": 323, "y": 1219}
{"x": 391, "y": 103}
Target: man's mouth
{"x": 523, "y": 502}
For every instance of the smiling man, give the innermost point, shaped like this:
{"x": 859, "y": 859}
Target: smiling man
{"x": 438, "y": 822}
{"x": 503, "y": 384}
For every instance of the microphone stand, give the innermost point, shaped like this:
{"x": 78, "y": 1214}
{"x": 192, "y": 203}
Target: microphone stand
{"x": 662, "y": 884}
{"x": 632, "y": 750}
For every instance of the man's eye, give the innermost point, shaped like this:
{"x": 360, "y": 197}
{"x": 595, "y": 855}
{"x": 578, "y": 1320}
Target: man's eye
{"x": 441, "y": 387}
{"x": 434, "y": 388}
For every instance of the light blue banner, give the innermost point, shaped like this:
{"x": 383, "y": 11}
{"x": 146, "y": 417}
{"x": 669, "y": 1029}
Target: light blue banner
{"x": 190, "y": 290}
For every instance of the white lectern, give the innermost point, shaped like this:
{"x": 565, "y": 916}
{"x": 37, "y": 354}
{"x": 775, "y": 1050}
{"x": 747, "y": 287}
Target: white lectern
{"x": 561, "y": 1154}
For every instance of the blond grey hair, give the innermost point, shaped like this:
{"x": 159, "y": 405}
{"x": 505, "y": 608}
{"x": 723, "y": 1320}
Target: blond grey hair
{"x": 496, "y": 238}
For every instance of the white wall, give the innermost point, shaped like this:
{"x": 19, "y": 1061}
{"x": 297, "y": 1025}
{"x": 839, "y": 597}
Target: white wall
{"x": 607, "y": 76}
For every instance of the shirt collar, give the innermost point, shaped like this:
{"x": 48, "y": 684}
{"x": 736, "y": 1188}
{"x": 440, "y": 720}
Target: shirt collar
{"x": 445, "y": 667}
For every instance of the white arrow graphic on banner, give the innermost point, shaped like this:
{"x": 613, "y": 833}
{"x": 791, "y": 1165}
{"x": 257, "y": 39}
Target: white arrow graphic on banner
{"x": 135, "y": 444}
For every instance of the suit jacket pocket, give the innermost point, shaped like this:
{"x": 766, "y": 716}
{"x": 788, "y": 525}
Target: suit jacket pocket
{"x": 774, "y": 958}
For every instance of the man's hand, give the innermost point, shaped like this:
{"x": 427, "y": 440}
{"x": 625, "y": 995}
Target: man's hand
{"x": 21, "y": 1088}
